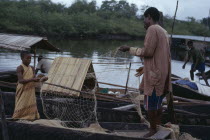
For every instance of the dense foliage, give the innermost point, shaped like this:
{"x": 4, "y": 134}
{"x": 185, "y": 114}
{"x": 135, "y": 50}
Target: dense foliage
{"x": 83, "y": 19}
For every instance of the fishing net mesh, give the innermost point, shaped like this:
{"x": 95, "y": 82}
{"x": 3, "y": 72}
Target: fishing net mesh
{"x": 128, "y": 81}
{"x": 80, "y": 112}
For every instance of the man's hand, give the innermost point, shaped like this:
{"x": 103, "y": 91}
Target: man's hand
{"x": 124, "y": 48}
{"x": 183, "y": 66}
{"x": 36, "y": 79}
{"x": 139, "y": 71}
{"x": 43, "y": 79}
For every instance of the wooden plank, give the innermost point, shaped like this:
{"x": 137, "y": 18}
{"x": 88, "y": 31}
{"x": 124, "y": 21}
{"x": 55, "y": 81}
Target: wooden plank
{"x": 191, "y": 100}
{"x": 2, "y": 72}
{"x": 125, "y": 108}
{"x": 66, "y": 76}
{"x": 60, "y": 73}
{"x": 81, "y": 74}
{"x": 8, "y": 84}
{"x": 50, "y": 75}
{"x": 3, "y": 118}
{"x": 76, "y": 76}
{"x": 132, "y": 133}
{"x": 161, "y": 134}
{"x": 186, "y": 112}
{"x": 72, "y": 75}
{"x": 67, "y": 72}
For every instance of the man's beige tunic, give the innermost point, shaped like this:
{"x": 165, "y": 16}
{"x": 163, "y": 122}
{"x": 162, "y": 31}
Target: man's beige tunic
{"x": 157, "y": 61}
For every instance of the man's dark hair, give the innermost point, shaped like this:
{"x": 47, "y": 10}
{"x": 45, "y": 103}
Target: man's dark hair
{"x": 153, "y": 12}
{"x": 40, "y": 57}
{"x": 190, "y": 43}
{"x": 23, "y": 53}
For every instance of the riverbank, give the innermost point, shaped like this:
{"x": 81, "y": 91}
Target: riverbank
{"x": 84, "y": 20}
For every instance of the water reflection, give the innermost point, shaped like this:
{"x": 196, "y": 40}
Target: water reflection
{"x": 88, "y": 48}
{"x": 99, "y": 51}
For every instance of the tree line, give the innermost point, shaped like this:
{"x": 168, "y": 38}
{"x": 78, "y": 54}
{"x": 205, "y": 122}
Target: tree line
{"x": 83, "y": 19}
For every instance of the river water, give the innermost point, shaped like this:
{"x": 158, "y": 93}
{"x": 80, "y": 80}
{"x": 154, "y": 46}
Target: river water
{"x": 100, "y": 51}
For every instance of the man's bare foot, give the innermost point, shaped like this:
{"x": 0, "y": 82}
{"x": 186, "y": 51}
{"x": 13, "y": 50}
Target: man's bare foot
{"x": 151, "y": 133}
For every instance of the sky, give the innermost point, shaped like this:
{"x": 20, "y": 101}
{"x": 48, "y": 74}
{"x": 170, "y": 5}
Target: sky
{"x": 187, "y": 8}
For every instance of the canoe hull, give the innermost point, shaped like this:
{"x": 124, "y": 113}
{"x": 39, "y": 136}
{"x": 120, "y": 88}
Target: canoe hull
{"x": 188, "y": 93}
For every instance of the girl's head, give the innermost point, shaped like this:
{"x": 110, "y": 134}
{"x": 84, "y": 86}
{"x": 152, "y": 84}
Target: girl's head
{"x": 25, "y": 57}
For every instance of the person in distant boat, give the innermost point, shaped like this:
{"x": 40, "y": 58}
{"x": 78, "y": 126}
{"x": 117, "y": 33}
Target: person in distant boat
{"x": 156, "y": 80}
{"x": 43, "y": 65}
{"x": 198, "y": 61}
{"x": 25, "y": 99}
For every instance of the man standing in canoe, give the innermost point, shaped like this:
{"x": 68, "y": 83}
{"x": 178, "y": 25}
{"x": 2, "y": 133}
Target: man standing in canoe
{"x": 25, "y": 99}
{"x": 157, "y": 67}
{"x": 198, "y": 61}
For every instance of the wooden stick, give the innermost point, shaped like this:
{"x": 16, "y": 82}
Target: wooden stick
{"x": 126, "y": 86}
{"x": 115, "y": 85}
{"x": 192, "y": 100}
{"x": 170, "y": 94}
{"x": 177, "y": 4}
{"x": 3, "y": 119}
{"x": 119, "y": 63}
{"x": 125, "y": 108}
{"x": 93, "y": 62}
{"x": 35, "y": 57}
{"x": 187, "y": 112}
{"x": 97, "y": 63}
{"x": 170, "y": 103}
{"x": 84, "y": 92}
{"x": 175, "y": 78}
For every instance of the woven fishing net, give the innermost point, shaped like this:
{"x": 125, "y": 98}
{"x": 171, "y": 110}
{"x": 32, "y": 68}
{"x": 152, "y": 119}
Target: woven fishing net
{"x": 123, "y": 66}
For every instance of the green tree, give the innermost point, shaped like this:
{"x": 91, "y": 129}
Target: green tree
{"x": 191, "y": 19}
{"x": 82, "y": 6}
{"x": 206, "y": 22}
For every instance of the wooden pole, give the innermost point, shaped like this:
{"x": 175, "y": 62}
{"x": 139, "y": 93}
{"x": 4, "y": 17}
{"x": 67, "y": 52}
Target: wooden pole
{"x": 170, "y": 94}
{"x": 193, "y": 101}
{"x": 35, "y": 58}
{"x": 170, "y": 103}
{"x": 86, "y": 93}
{"x": 172, "y": 31}
{"x": 115, "y": 85}
{"x": 186, "y": 112}
{"x": 126, "y": 87}
{"x": 208, "y": 20}
{"x": 118, "y": 63}
{"x": 161, "y": 19}
{"x": 3, "y": 119}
